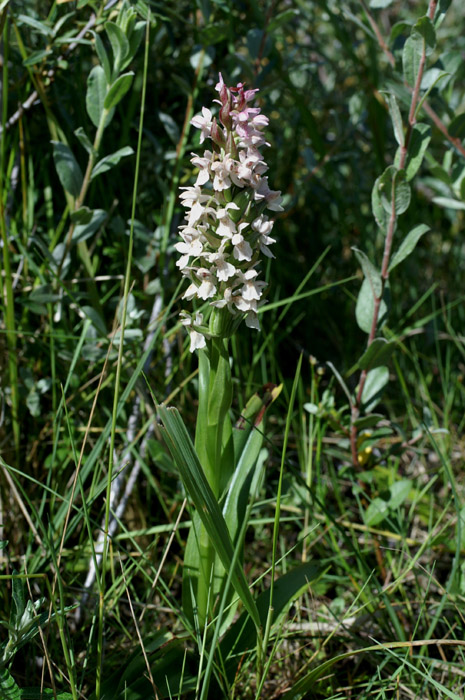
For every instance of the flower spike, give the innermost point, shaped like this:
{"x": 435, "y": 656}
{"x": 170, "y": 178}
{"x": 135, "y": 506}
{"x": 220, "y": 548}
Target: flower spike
{"x": 227, "y": 229}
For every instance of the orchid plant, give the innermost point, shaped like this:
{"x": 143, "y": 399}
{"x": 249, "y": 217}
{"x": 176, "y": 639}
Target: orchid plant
{"x": 227, "y": 230}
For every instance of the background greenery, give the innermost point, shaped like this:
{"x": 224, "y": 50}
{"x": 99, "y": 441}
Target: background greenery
{"x": 388, "y": 537}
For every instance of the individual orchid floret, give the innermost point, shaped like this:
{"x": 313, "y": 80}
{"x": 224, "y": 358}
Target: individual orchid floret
{"x": 226, "y": 231}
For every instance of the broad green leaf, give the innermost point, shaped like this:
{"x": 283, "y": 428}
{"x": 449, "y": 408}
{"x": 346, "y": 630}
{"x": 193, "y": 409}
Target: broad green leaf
{"x": 196, "y": 485}
{"x": 419, "y": 140}
{"x": 103, "y": 57}
{"x": 84, "y": 231}
{"x": 81, "y": 216}
{"x": 393, "y": 189}
{"x": 375, "y": 382}
{"x": 67, "y": 167}
{"x": 119, "y": 45}
{"x": 408, "y": 245}
{"x": 399, "y": 492}
{"x": 421, "y": 41}
{"x": 9, "y": 690}
{"x": 396, "y": 119}
{"x": 95, "y": 95}
{"x": 118, "y": 90}
{"x": 424, "y": 28}
{"x": 84, "y": 139}
{"x": 380, "y": 4}
{"x": 242, "y": 635}
{"x": 376, "y": 512}
{"x": 368, "y": 421}
{"x": 109, "y": 161}
{"x": 365, "y": 306}
{"x": 377, "y": 353}
{"x": 411, "y": 59}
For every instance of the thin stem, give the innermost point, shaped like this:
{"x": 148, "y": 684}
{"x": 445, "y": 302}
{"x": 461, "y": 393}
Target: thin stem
{"x": 355, "y": 411}
{"x": 7, "y": 291}
{"x": 119, "y": 364}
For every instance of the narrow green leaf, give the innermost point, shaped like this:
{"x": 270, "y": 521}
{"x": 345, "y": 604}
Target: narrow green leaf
{"x": 109, "y": 161}
{"x": 441, "y": 9}
{"x": 118, "y": 90}
{"x": 196, "y": 485}
{"x": 119, "y": 45}
{"x": 396, "y": 119}
{"x": 103, "y": 57}
{"x": 9, "y": 690}
{"x": 380, "y": 214}
{"x": 370, "y": 271}
{"x": 84, "y": 139}
{"x": 42, "y": 28}
{"x": 408, "y": 245}
{"x": 449, "y": 203}
{"x": 36, "y": 57}
{"x": 377, "y": 353}
{"x": 372, "y": 391}
{"x": 242, "y": 635}
{"x": 420, "y": 138}
{"x": 134, "y": 43}
{"x": 67, "y": 167}
{"x": 95, "y": 95}
{"x": 280, "y": 19}
{"x": 19, "y": 602}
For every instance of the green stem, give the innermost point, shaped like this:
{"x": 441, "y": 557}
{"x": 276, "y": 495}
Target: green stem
{"x": 215, "y": 398}
{"x": 7, "y": 291}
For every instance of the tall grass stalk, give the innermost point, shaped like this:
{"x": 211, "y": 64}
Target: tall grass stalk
{"x": 127, "y": 283}
{"x": 6, "y": 281}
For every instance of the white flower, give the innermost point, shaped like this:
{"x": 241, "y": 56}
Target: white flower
{"x": 221, "y": 179}
{"x": 204, "y": 123}
{"x": 207, "y": 287}
{"x": 224, "y": 270}
{"x": 252, "y": 288}
{"x": 251, "y": 320}
{"x": 242, "y": 249}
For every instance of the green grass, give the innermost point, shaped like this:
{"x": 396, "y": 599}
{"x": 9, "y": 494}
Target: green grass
{"x": 356, "y": 574}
